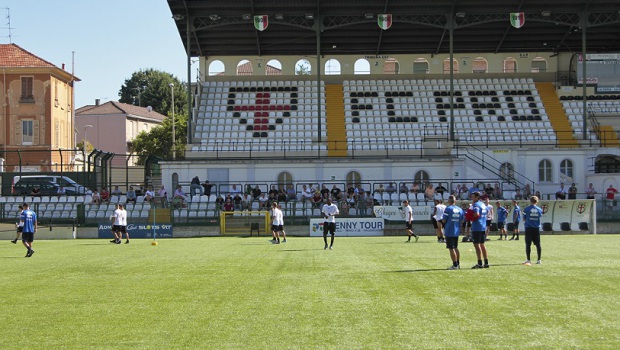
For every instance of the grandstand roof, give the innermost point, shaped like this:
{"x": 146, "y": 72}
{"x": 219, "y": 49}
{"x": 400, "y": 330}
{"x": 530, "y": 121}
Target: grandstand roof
{"x": 225, "y": 27}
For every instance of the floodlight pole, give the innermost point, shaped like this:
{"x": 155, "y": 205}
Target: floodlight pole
{"x": 173, "y": 127}
{"x": 584, "y": 61}
{"x": 451, "y": 132}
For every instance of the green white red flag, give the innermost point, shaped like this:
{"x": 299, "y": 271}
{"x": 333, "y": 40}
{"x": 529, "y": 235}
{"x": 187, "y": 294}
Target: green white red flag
{"x": 384, "y": 21}
{"x": 517, "y": 19}
{"x": 261, "y": 22}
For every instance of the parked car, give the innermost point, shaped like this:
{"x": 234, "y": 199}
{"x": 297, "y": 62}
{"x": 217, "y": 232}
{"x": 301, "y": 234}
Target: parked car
{"x": 24, "y": 187}
{"x": 70, "y": 186}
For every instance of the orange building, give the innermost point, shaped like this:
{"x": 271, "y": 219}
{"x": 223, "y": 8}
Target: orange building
{"x": 37, "y": 112}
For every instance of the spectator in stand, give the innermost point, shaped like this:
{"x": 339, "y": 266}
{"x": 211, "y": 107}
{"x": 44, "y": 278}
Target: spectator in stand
{"x": 263, "y": 201}
{"x": 441, "y": 190}
{"x": 380, "y": 189}
{"x": 272, "y": 198}
{"x": 162, "y": 194}
{"x": 415, "y": 188}
{"x": 488, "y": 190}
{"x": 234, "y": 190}
{"x": 324, "y": 192}
{"x": 518, "y": 196}
{"x": 561, "y": 192}
{"x": 149, "y": 195}
{"x": 527, "y": 192}
{"x": 391, "y": 189}
{"x": 207, "y": 188}
{"x": 306, "y": 194}
{"x": 219, "y": 202}
{"x": 362, "y": 201}
{"x": 179, "y": 197}
{"x": 403, "y": 188}
{"x": 537, "y": 194}
{"x": 590, "y": 191}
{"x": 610, "y": 195}
{"x": 350, "y": 190}
{"x": 131, "y": 195}
{"x": 499, "y": 194}
{"x": 195, "y": 186}
{"x": 247, "y": 201}
{"x": 457, "y": 191}
{"x": 228, "y": 205}
{"x": 351, "y": 199}
{"x": 36, "y": 191}
{"x": 105, "y": 195}
{"x": 116, "y": 192}
{"x": 282, "y": 195}
{"x": 336, "y": 193}
{"x": 256, "y": 192}
{"x": 572, "y": 191}
{"x": 317, "y": 200}
{"x": 61, "y": 191}
{"x": 96, "y": 198}
{"x": 291, "y": 194}
{"x": 238, "y": 201}
{"x": 429, "y": 193}
{"x": 273, "y": 190}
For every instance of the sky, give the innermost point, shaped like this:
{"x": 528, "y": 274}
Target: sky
{"x": 111, "y": 39}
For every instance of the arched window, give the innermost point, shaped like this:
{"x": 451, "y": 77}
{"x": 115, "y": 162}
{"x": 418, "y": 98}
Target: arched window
{"x": 420, "y": 66}
{"x": 353, "y": 177}
{"x": 362, "y": 66}
{"x": 539, "y": 64}
{"x": 303, "y": 67}
{"x": 507, "y": 171}
{"x": 510, "y": 65}
{"x": 244, "y": 67}
{"x": 544, "y": 171}
{"x": 391, "y": 66}
{"x": 216, "y": 68}
{"x": 421, "y": 177}
{"x": 479, "y": 65}
{"x": 332, "y": 67}
{"x": 446, "y": 66}
{"x": 566, "y": 170}
{"x": 274, "y": 67}
{"x": 285, "y": 178}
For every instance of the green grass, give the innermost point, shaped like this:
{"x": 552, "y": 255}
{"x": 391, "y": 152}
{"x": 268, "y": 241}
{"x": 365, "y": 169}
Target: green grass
{"x": 368, "y": 293}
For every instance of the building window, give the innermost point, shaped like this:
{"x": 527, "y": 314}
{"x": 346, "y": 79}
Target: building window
{"x": 566, "y": 170}
{"x": 285, "y": 178}
{"x": 421, "y": 177}
{"x": 507, "y": 171}
{"x": 27, "y": 132}
{"x": 420, "y": 66}
{"x": 544, "y": 171}
{"x": 354, "y": 178}
{"x": 27, "y": 90}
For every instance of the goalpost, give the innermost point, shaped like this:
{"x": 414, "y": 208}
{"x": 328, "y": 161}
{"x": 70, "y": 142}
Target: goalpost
{"x": 244, "y": 222}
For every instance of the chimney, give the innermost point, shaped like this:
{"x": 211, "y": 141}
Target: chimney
{"x": 97, "y": 101}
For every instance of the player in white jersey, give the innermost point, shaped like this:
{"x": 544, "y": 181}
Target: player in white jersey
{"x": 124, "y": 225}
{"x": 409, "y": 221}
{"x": 489, "y": 217}
{"x": 439, "y": 209}
{"x": 277, "y": 223}
{"x": 330, "y": 211}
{"x": 117, "y": 224}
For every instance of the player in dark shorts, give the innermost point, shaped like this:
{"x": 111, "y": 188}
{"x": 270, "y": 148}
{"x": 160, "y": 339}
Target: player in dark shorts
{"x": 28, "y": 219}
{"x": 532, "y": 215}
{"x": 478, "y": 231}
{"x": 19, "y": 226}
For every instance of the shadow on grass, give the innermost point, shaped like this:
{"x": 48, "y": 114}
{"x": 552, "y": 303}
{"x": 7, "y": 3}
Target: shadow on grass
{"x": 446, "y": 269}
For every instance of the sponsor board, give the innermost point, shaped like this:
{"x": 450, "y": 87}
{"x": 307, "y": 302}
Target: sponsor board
{"x": 393, "y": 213}
{"x": 138, "y": 231}
{"x": 350, "y": 227}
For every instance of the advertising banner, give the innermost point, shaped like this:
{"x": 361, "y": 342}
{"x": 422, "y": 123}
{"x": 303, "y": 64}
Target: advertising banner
{"x": 138, "y": 231}
{"x": 562, "y": 213}
{"x": 581, "y": 213}
{"x": 392, "y": 213}
{"x": 350, "y": 227}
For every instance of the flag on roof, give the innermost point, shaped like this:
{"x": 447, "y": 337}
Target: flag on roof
{"x": 517, "y": 19}
{"x": 384, "y": 21}
{"x": 261, "y": 22}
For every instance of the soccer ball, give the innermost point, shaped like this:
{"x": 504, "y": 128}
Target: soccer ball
{"x": 527, "y": 264}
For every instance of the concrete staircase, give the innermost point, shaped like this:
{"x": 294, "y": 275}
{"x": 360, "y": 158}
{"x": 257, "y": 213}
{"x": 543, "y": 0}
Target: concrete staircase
{"x": 557, "y": 115}
{"x": 336, "y": 129}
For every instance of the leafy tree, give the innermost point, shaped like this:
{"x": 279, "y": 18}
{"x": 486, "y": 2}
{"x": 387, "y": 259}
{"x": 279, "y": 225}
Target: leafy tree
{"x": 89, "y": 146}
{"x": 302, "y": 69}
{"x": 158, "y": 141}
{"x": 151, "y": 87}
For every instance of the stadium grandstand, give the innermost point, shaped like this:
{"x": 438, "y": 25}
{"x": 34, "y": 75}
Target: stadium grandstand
{"x": 364, "y": 92}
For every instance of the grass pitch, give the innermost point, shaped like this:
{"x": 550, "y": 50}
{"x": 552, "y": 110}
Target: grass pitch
{"x": 368, "y": 293}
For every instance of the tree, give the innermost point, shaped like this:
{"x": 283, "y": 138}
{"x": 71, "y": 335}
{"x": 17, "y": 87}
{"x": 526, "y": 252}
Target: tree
{"x": 151, "y": 87}
{"x": 158, "y": 141}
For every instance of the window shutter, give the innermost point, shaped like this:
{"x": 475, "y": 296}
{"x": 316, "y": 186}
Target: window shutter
{"x": 35, "y": 132}
{"x": 18, "y": 133}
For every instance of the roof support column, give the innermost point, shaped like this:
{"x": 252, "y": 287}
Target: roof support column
{"x": 189, "y": 83}
{"x": 584, "y": 23}
{"x": 318, "y": 25}
{"x": 451, "y": 29}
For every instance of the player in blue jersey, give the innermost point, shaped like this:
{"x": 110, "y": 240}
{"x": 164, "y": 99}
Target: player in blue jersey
{"x": 452, "y": 218}
{"x": 478, "y": 229}
{"x": 28, "y": 219}
{"x": 502, "y": 214}
{"x": 531, "y": 216}
{"x": 516, "y": 219}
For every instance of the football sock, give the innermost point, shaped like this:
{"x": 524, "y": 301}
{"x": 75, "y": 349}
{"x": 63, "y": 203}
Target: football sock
{"x": 458, "y": 263}
{"x": 480, "y": 262}
{"x": 538, "y": 251}
{"x": 528, "y": 250}
{"x": 455, "y": 263}
{"x": 486, "y": 261}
